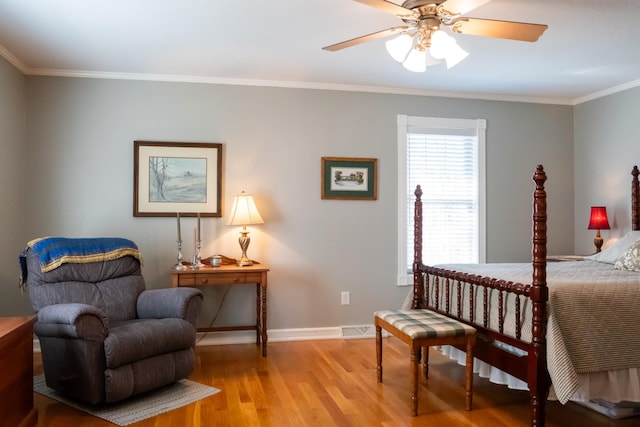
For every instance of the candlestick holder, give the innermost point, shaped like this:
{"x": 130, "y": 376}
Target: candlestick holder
{"x": 179, "y": 265}
{"x": 197, "y": 260}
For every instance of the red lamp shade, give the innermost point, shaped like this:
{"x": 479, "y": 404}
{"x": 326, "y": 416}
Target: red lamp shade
{"x": 598, "y": 219}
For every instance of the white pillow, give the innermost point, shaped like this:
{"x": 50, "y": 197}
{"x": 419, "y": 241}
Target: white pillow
{"x": 615, "y": 251}
{"x": 630, "y": 260}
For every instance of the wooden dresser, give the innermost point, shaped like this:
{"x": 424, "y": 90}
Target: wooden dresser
{"x": 16, "y": 378}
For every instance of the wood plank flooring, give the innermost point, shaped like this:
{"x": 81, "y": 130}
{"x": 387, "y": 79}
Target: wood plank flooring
{"x": 333, "y": 383}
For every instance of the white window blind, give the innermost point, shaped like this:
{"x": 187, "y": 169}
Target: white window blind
{"x": 446, "y": 157}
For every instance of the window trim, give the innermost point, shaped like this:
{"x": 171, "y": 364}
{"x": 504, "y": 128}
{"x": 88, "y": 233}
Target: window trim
{"x": 404, "y": 122}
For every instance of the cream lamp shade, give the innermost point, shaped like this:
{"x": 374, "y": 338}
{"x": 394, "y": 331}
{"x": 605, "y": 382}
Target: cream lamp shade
{"x": 244, "y": 212}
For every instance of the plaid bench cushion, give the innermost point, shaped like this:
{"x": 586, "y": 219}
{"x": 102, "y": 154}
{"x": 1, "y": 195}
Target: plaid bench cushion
{"x": 424, "y": 323}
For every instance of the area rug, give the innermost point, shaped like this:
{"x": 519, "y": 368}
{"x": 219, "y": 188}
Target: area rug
{"x": 139, "y": 407}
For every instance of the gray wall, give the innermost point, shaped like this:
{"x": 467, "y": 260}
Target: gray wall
{"x": 13, "y": 172}
{"x": 79, "y": 141}
{"x": 607, "y": 146}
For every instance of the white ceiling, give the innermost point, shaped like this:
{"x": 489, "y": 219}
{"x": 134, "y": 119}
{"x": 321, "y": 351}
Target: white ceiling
{"x": 589, "y": 49}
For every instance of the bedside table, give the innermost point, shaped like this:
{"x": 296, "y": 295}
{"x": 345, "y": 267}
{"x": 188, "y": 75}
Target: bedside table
{"x": 231, "y": 275}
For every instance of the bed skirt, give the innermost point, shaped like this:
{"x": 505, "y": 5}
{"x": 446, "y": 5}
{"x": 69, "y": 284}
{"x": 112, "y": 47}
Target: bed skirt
{"x": 615, "y": 393}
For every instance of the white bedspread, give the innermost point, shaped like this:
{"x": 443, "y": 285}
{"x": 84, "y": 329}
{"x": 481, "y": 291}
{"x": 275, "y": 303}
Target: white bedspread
{"x": 592, "y": 317}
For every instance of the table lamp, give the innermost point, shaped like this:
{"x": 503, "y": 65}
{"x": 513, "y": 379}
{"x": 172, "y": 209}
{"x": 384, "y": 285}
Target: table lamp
{"x": 244, "y": 212}
{"x": 598, "y": 221}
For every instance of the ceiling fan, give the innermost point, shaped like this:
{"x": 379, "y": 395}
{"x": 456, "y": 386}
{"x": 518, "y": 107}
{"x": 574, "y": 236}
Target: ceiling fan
{"x": 421, "y": 41}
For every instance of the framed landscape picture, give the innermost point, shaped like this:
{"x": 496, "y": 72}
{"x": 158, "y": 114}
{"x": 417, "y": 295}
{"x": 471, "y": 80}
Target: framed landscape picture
{"x": 171, "y": 177}
{"x": 349, "y": 178}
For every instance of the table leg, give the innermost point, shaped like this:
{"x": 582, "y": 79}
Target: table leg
{"x": 264, "y": 314}
{"x": 259, "y": 325}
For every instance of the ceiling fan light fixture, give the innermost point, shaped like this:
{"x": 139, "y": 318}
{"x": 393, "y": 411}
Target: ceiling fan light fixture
{"x": 443, "y": 46}
{"x": 440, "y": 44}
{"x": 430, "y": 60}
{"x": 455, "y": 54}
{"x": 416, "y": 61}
{"x": 399, "y": 47}
{"x": 422, "y": 43}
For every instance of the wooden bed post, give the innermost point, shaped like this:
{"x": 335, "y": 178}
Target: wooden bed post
{"x": 418, "y": 278}
{"x": 539, "y": 381}
{"x": 635, "y": 200}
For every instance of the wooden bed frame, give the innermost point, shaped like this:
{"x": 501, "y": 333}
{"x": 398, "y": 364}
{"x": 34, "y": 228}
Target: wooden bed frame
{"x": 532, "y": 367}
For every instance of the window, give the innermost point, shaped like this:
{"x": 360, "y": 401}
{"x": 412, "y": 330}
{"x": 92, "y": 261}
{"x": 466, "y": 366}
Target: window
{"x": 447, "y": 158}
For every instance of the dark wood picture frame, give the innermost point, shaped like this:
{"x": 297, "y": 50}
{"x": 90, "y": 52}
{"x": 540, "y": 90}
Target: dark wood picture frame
{"x": 171, "y": 177}
{"x": 349, "y": 178}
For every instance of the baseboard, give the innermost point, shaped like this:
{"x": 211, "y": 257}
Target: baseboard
{"x": 283, "y": 335}
{"x": 359, "y": 331}
{"x": 277, "y": 335}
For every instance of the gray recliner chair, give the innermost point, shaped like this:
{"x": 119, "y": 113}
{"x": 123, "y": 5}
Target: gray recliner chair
{"x": 104, "y": 337}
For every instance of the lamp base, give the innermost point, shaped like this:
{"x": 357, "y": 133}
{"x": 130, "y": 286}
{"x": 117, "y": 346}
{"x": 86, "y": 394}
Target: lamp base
{"x": 244, "y": 241}
{"x": 598, "y": 241}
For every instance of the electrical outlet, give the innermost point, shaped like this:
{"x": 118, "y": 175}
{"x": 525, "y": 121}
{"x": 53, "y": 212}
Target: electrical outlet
{"x": 345, "y": 298}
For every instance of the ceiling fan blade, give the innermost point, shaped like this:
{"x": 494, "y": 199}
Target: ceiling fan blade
{"x": 389, "y": 7}
{"x": 501, "y": 29}
{"x": 368, "y": 37}
{"x": 455, "y": 7}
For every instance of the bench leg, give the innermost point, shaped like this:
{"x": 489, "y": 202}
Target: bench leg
{"x": 469, "y": 372}
{"x": 379, "y": 352}
{"x": 425, "y": 361}
{"x": 415, "y": 358}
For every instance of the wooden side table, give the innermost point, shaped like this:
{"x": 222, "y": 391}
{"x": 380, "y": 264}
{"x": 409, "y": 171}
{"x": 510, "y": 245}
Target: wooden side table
{"x": 16, "y": 381}
{"x": 231, "y": 275}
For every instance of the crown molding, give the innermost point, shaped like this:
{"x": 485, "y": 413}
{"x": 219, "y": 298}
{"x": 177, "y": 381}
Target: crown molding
{"x": 13, "y": 60}
{"x": 606, "y": 92}
{"x": 292, "y": 85}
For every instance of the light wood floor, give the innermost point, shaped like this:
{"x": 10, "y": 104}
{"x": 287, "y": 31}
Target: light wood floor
{"x": 333, "y": 383}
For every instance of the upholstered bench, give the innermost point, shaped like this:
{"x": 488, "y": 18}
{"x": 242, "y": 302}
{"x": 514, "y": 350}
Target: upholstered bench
{"x": 422, "y": 329}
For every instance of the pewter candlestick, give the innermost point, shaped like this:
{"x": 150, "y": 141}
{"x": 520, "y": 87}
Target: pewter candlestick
{"x": 197, "y": 260}
{"x": 179, "y": 265}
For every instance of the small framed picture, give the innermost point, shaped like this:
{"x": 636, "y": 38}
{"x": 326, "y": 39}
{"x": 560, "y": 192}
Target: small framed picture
{"x": 349, "y": 178}
{"x": 171, "y": 177}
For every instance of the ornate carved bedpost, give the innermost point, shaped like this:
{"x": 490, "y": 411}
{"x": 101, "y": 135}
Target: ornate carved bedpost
{"x": 635, "y": 195}
{"x": 538, "y": 375}
{"x": 418, "y": 280}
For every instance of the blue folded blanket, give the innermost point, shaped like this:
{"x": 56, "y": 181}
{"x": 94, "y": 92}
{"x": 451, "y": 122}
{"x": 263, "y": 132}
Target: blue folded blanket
{"x": 52, "y": 252}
